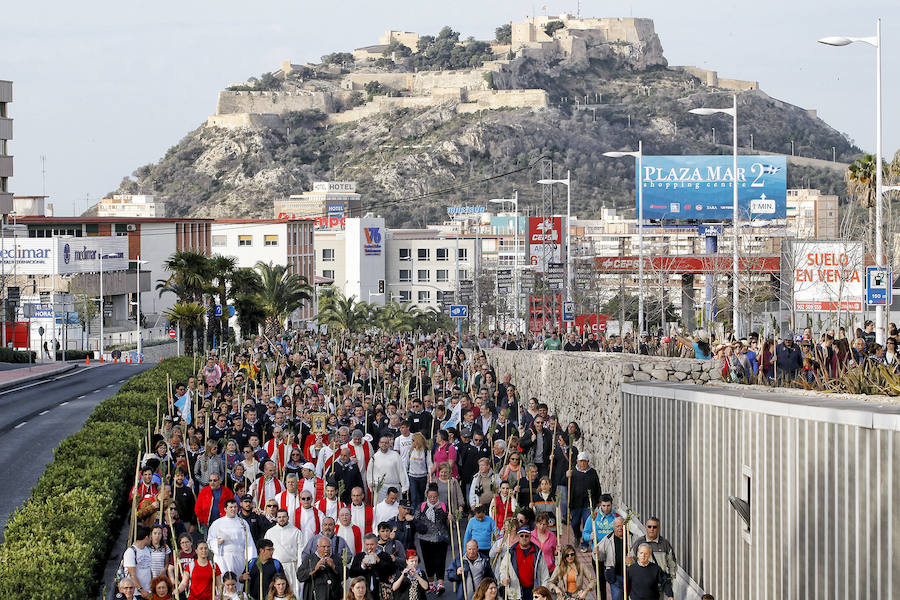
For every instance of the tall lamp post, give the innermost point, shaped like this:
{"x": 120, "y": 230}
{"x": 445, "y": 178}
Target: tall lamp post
{"x": 735, "y": 296}
{"x": 515, "y": 202}
{"x": 137, "y": 311}
{"x": 639, "y": 155}
{"x": 568, "y": 183}
{"x": 880, "y": 329}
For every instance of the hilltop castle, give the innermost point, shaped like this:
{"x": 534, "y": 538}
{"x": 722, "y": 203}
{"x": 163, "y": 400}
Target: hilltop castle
{"x": 564, "y": 38}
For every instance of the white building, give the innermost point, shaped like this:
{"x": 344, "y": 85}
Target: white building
{"x": 131, "y": 205}
{"x": 329, "y": 203}
{"x": 275, "y": 241}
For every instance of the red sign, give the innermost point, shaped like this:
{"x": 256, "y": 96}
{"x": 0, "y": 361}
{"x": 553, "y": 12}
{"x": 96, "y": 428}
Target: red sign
{"x": 172, "y": 333}
{"x": 330, "y": 222}
{"x": 544, "y": 241}
{"x": 544, "y": 313}
{"x": 593, "y": 323}
{"x": 17, "y": 334}
{"x": 687, "y": 264}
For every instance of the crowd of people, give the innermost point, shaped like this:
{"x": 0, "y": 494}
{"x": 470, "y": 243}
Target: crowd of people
{"x": 374, "y": 467}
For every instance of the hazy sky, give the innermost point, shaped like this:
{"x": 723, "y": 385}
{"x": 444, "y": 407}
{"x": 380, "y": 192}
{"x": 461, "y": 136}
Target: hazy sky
{"x": 101, "y": 88}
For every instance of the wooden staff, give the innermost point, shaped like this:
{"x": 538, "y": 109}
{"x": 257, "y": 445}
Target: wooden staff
{"x": 157, "y": 414}
{"x": 569, "y": 483}
{"x": 594, "y": 545}
{"x": 134, "y": 498}
{"x": 175, "y": 555}
{"x": 462, "y": 554}
{"x": 149, "y": 437}
{"x": 625, "y": 553}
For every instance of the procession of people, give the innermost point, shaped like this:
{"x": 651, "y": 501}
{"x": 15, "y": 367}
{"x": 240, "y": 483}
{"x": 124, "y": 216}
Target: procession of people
{"x": 384, "y": 467}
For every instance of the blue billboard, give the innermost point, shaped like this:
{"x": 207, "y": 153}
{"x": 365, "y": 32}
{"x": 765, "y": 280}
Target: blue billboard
{"x": 700, "y": 187}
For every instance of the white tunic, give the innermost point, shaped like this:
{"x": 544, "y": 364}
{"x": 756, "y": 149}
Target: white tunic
{"x": 307, "y": 525}
{"x": 289, "y": 501}
{"x": 324, "y": 454}
{"x": 387, "y": 469}
{"x": 287, "y": 544}
{"x": 236, "y": 548}
{"x": 403, "y": 445}
{"x": 385, "y": 512}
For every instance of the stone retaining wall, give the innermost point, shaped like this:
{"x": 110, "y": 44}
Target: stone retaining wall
{"x": 584, "y": 387}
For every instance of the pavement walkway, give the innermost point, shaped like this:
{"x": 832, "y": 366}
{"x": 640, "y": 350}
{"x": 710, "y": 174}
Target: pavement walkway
{"x": 14, "y": 377}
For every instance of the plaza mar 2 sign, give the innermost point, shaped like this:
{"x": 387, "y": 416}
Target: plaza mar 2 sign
{"x": 827, "y": 276}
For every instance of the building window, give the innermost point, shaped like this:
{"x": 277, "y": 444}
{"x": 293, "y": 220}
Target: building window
{"x": 423, "y": 275}
{"x": 443, "y": 253}
{"x": 405, "y": 253}
{"x": 270, "y": 240}
{"x": 328, "y": 274}
{"x": 245, "y": 240}
{"x": 463, "y": 254}
{"x": 327, "y": 254}
{"x": 424, "y": 297}
{"x": 219, "y": 240}
{"x": 442, "y": 275}
{"x": 405, "y": 296}
{"x": 462, "y": 274}
{"x": 405, "y": 275}
{"x": 423, "y": 254}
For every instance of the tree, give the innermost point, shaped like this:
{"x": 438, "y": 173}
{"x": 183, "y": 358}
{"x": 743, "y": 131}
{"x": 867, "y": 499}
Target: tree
{"x": 190, "y": 273}
{"x": 340, "y": 312}
{"x": 503, "y": 34}
{"x": 86, "y": 306}
{"x": 337, "y": 58}
{"x": 221, "y": 269}
{"x": 551, "y": 27}
{"x": 245, "y": 284}
{"x": 280, "y": 294}
{"x": 189, "y": 317}
{"x": 395, "y": 47}
{"x": 861, "y": 178}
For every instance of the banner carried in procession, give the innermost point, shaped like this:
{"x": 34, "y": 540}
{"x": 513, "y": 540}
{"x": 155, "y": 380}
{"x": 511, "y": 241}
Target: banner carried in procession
{"x": 700, "y": 187}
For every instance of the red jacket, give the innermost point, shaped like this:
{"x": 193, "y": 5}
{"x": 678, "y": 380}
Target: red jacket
{"x": 203, "y": 507}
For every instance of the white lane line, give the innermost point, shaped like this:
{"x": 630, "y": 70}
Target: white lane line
{"x": 66, "y": 402}
{"x": 81, "y": 396}
{"x": 121, "y": 381}
{"x": 20, "y": 424}
{"x": 110, "y": 385}
{"x": 41, "y": 414}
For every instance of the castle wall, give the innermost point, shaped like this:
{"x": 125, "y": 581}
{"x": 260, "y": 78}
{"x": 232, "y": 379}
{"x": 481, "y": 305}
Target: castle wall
{"x": 711, "y": 79}
{"x": 248, "y": 120}
{"x": 395, "y": 81}
{"x": 272, "y": 102}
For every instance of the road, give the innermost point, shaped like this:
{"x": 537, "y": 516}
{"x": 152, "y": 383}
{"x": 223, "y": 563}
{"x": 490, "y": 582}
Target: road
{"x": 37, "y": 416}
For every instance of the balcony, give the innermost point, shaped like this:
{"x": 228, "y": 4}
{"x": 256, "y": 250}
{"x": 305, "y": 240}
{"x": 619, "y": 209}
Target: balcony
{"x": 6, "y": 166}
{"x": 5, "y": 91}
{"x": 6, "y": 129}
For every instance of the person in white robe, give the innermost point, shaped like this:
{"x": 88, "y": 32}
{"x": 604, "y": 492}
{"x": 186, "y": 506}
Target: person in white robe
{"x": 230, "y": 540}
{"x": 287, "y": 542}
{"x": 386, "y": 470}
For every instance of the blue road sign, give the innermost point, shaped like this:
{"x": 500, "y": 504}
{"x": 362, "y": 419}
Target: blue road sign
{"x": 218, "y": 310}
{"x": 568, "y": 312}
{"x": 878, "y": 286}
{"x": 459, "y": 311}
{"x": 231, "y": 311}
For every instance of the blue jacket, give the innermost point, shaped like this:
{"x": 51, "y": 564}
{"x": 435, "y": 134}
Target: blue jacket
{"x": 471, "y": 585}
{"x": 603, "y": 524}
{"x": 481, "y": 532}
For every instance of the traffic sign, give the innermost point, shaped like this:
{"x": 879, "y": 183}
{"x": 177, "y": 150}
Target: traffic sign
{"x": 231, "y": 311}
{"x": 568, "y": 312}
{"x": 459, "y": 311}
{"x": 172, "y": 333}
{"x": 218, "y": 310}
{"x": 878, "y": 286}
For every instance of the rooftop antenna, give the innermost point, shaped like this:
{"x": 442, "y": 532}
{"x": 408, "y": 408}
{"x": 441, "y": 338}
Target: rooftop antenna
{"x": 579, "y": 9}
{"x": 43, "y": 175}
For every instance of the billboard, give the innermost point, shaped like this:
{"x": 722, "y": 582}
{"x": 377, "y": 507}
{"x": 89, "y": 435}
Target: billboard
{"x": 827, "y": 276}
{"x": 700, "y": 187}
{"x": 544, "y": 241}
{"x": 590, "y": 323}
{"x": 35, "y": 256}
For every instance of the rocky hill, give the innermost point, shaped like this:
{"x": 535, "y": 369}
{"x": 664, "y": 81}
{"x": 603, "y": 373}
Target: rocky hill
{"x": 412, "y": 158}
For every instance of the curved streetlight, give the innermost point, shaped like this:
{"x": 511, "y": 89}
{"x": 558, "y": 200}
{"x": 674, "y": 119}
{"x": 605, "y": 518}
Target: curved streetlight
{"x": 735, "y": 297}
{"x": 875, "y": 41}
{"x": 639, "y": 155}
{"x": 568, "y": 183}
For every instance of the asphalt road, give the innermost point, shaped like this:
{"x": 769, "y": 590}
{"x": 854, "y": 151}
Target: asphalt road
{"x": 37, "y": 416}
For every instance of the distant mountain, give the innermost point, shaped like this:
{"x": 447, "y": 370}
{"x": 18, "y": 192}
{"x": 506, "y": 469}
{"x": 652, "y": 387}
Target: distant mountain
{"x": 401, "y": 133}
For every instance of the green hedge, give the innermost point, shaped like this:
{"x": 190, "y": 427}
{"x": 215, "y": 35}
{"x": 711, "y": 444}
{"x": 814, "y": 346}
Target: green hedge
{"x": 57, "y": 543}
{"x": 16, "y": 356}
{"x": 75, "y": 354}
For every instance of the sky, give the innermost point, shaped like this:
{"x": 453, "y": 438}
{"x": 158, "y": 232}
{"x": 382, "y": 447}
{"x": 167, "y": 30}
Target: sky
{"x": 101, "y": 88}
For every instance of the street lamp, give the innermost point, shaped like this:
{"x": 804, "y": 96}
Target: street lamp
{"x": 515, "y": 202}
{"x": 639, "y": 155}
{"x": 735, "y": 299}
{"x": 568, "y": 183}
{"x": 880, "y": 329}
{"x": 137, "y": 311}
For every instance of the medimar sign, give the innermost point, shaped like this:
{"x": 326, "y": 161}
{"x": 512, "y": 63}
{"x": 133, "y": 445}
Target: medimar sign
{"x": 700, "y": 187}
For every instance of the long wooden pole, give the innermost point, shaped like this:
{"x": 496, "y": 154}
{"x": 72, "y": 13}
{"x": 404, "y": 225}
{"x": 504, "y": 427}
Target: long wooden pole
{"x": 134, "y": 497}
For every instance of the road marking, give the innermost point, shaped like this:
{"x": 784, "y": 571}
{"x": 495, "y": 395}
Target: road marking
{"x": 66, "y": 402}
{"x": 121, "y": 381}
{"x": 48, "y": 380}
{"x": 41, "y": 414}
{"x": 81, "y": 396}
{"x": 20, "y": 424}
{"x": 110, "y": 385}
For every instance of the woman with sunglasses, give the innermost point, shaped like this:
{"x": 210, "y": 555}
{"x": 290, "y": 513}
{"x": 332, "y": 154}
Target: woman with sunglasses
{"x": 570, "y": 580}
{"x": 295, "y": 463}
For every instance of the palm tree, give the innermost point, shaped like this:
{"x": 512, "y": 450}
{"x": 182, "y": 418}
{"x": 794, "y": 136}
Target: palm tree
{"x": 338, "y": 311}
{"x": 861, "y": 179}
{"x": 245, "y": 285}
{"x": 190, "y": 273}
{"x": 280, "y": 294}
{"x": 397, "y": 317}
{"x": 221, "y": 269}
{"x": 189, "y": 317}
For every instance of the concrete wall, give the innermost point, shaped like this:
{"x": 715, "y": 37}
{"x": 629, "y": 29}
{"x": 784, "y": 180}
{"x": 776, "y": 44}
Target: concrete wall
{"x": 821, "y": 474}
{"x": 492, "y": 99}
{"x": 272, "y": 102}
{"x": 584, "y": 387}
{"x": 711, "y": 79}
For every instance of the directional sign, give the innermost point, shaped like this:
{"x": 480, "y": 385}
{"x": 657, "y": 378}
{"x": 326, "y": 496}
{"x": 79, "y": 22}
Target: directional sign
{"x": 568, "y": 312}
{"x": 172, "y": 333}
{"x": 878, "y": 286}
{"x": 218, "y": 310}
{"x": 459, "y": 311}
{"x": 231, "y": 311}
